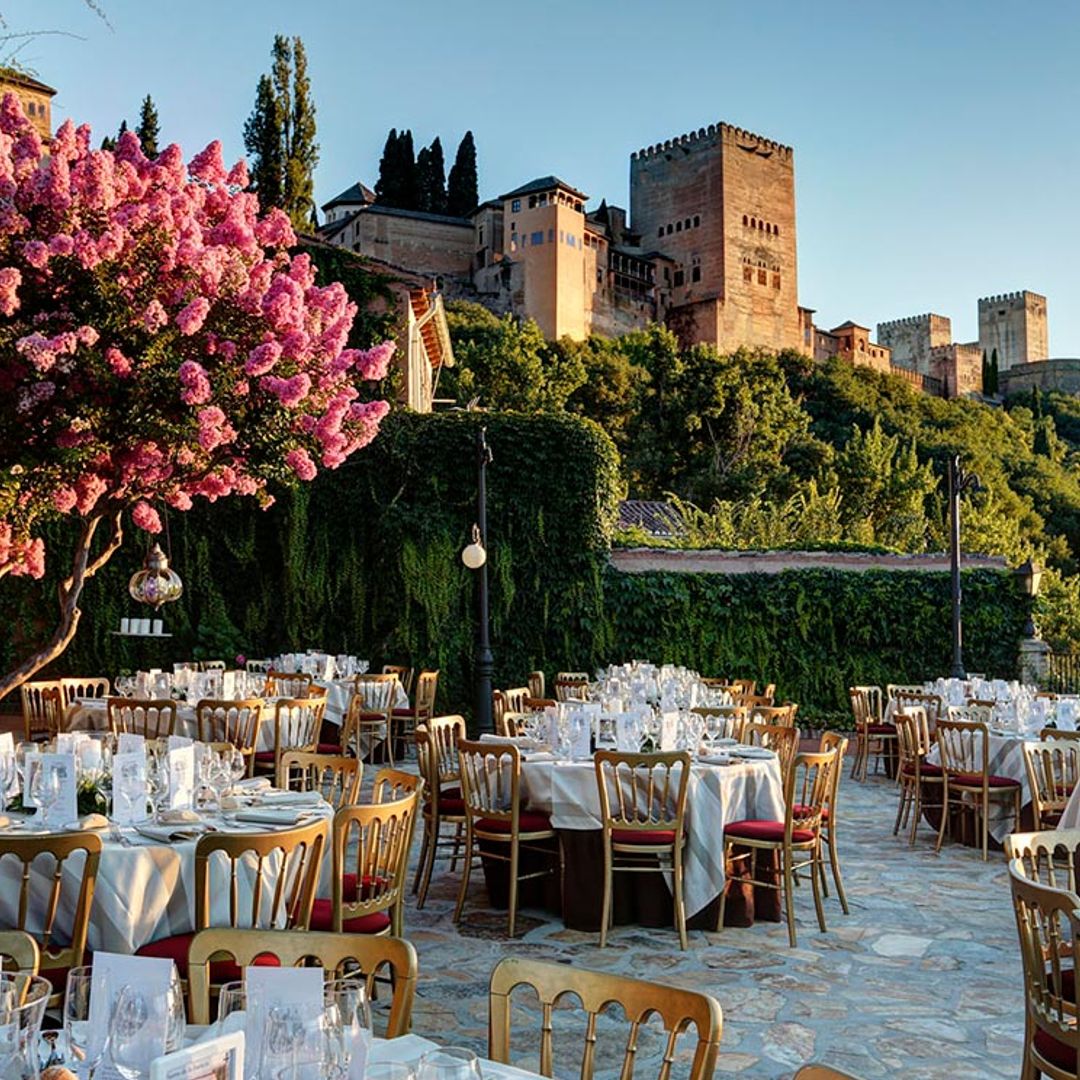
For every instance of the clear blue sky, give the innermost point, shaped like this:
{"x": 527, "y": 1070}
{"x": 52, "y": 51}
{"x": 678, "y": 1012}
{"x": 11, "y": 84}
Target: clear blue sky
{"x": 935, "y": 143}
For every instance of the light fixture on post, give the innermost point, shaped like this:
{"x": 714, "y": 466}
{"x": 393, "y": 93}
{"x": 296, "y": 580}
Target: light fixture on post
{"x": 959, "y": 482}
{"x": 474, "y": 557}
{"x": 1029, "y": 574}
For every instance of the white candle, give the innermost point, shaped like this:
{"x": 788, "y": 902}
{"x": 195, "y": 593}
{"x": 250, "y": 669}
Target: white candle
{"x": 125, "y": 626}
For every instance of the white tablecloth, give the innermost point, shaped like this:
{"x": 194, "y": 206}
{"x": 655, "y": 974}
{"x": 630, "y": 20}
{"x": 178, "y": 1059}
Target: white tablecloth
{"x": 339, "y": 694}
{"x": 717, "y": 795}
{"x": 145, "y": 891}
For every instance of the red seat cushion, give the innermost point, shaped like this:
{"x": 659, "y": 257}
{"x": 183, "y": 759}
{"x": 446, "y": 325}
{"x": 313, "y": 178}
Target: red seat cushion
{"x": 176, "y": 948}
{"x": 925, "y": 769}
{"x": 322, "y": 918}
{"x": 1057, "y": 1053}
{"x": 451, "y": 806}
{"x": 880, "y": 729}
{"x": 766, "y": 830}
{"x": 528, "y": 821}
{"x": 800, "y": 810}
{"x": 643, "y": 836}
{"x": 265, "y": 755}
{"x": 331, "y": 748}
{"x": 975, "y": 780}
{"x": 403, "y": 714}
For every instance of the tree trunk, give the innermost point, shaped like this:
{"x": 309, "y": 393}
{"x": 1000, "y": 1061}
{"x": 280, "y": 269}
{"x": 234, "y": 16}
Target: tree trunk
{"x": 83, "y": 568}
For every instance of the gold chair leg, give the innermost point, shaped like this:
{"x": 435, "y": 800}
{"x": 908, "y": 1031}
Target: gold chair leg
{"x": 428, "y": 823}
{"x": 724, "y": 889}
{"x": 916, "y": 811}
{"x": 815, "y": 856}
{"x": 465, "y": 875}
{"x": 834, "y": 861}
{"x": 789, "y": 897}
{"x": 986, "y": 825}
{"x": 457, "y": 847}
{"x": 680, "y": 904}
{"x": 514, "y": 852}
{"x": 605, "y": 907}
{"x": 944, "y": 815}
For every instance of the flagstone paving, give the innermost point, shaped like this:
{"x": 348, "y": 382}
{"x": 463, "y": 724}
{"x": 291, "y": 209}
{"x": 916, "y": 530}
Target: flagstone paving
{"x": 922, "y": 979}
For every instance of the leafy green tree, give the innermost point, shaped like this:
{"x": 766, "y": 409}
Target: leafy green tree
{"x": 263, "y": 142}
{"x": 431, "y": 178}
{"x": 148, "y": 130}
{"x": 301, "y": 147}
{"x": 612, "y": 389}
{"x": 462, "y": 186}
{"x": 398, "y": 184}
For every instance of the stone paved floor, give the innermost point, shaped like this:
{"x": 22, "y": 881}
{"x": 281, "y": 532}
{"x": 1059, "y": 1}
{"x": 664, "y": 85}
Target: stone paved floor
{"x": 921, "y": 980}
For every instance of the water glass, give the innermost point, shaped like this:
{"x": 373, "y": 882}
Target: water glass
{"x": 9, "y": 772}
{"x": 353, "y": 1013}
{"x": 448, "y": 1063}
{"x": 85, "y": 1047}
{"x": 232, "y": 1007}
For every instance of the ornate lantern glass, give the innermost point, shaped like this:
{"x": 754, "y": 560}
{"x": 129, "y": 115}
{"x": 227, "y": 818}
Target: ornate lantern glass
{"x": 155, "y": 584}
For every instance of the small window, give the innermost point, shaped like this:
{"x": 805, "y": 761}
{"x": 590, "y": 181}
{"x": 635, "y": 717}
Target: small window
{"x": 760, "y": 225}
{"x": 537, "y": 238}
{"x": 695, "y": 273}
{"x": 532, "y": 202}
{"x": 571, "y": 240}
{"x": 678, "y": 226}
{"x": 776, "y": 281}
{"x": 686, "y": 224}
{"x": 745, "y": 220}
{"x": 697, "y": 221}
{"x": 753, "y": 223}
{"x": 515, "y": 206}
{"x": 669, "y": 230}
{"x": 660, "y": 231}
{"x": 747, "y": 274}
{"x": 678, "y": 278}
{"x": 762, "y": 277}
{"x": 544, "y": 199}
{"x": 776, "y": 230}
{"x": 551, "y": 236}
{"x": 599, "y": 276}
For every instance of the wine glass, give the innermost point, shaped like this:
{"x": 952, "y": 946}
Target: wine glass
{"x": 350, "y": 998}
{"x": 232, "y": 1007}
{"x": 86, "y": 1047}
{"x": 237, "y": 765}
{"x": 283, "y": 1039}
{"x": 45, "y": 788}
{"x": 448, "y": 1063}
{"x": 8, "y": 774}
{"x": 220, "y": 778}
{"x": 134, "y": 1039}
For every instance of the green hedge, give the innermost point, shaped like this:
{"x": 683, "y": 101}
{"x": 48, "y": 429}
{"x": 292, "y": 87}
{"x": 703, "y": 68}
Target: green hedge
{"x": 815, "y": 632}
{"x": 366, "y": 560}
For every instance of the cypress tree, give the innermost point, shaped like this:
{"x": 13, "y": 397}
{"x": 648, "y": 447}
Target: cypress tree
{"x": 462, "y": 188}
{"x": 985, "y": 374}
{"x": 410, "y": 188}
{"x": 431, "y": 178}
{"x": 263, "y": 142}
{"x": 302, "y": 151}
{"x": 388, "y": 186}
{"x": 148, "y": 129}
{"x": 993, "y": 372}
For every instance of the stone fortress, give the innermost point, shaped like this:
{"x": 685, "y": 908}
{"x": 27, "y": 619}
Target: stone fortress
{"x": 708, "y": 248}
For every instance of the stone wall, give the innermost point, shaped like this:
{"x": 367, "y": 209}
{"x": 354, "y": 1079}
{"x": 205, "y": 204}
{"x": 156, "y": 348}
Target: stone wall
{"x": 642, "y": 560}
{"x": 912, "y": 339}
{"x": 1062, "y": 374}
{"x": 1015, "y": 325}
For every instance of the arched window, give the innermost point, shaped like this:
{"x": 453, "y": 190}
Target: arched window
{"x": 697, "y": 220}
{"x": 660, "y": 231}
{"x": 753, "y": 223}
{"x": 669, "y": 230}
{"x": 776, "y": 230}
{"x": 745, "y": 220}
{"x": 760, "y": 225}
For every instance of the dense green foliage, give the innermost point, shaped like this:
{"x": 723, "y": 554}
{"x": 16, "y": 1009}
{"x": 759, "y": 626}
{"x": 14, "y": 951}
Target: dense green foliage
{"x": 463, "y": 186}
{"x": 417, "y": 181}
{"x": 149, "y": 130}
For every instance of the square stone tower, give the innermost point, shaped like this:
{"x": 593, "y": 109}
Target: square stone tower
{"x": 912, "y": 340}
{"x": 1015, "y": 325}
{"x": 720, "y": 202}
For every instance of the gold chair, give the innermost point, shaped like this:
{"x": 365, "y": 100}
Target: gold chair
{"x": 732, "y": 717}
{"x": 297, "y": 722}
{"x": 1058, "y": 733}
{"x": 288, "y": 684}
{"x": 1053, "y": 767}
{"x": 73, "y": 688}
{"x": 784, "y": 741}
{"x": 339, "y": 955}
{"x": 974, "y": 712}
{"x": 283, "y": 865}
{"x": 571, "y": 686}
{"x": 52, "y": 885}
{"x": 211, "y": 665}
{"x": 681, "y": 1011}
{"x": 41, "y": 701}
{"x": 371, "y": 899}
{"x": 235, "y": 722}
{"x": 150, "y": 718}
{"x": 780, "y": 715}
{"x": 423, "y": 706}
{"x": 404, "y": 676}
{"x": 1049, "y": 856}
{"x": 932, "y": 703}
{"x": 21, "y": 949}
{"x": 893, "y": 689}
{"x": 965, "y": 761}
{"x": 875, "y": 701}
{"x": 437, "y": 756}
{"x": 831, "y": 742}
{"x": 1048, "y": 925}
{"x": 491, "y": 790}
{"x": 336, "y": 778}
{"x": 806, "y": 794}
{"x": 393, "y": 784}
{"x": 643, "y": 812}
{"x": 872, "y": 734}
{"x": 368, "y": 718}
{"x": 915, "y": 774}
{"x": 507, "y": 701}
{"x": 536, "y": 684}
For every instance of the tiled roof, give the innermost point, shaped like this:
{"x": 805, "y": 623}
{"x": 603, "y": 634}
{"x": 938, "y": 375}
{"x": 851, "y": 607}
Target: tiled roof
{"x": 356, "y": 193}
{"x": 543, "y": 183}
{"x": 655, "y": 517}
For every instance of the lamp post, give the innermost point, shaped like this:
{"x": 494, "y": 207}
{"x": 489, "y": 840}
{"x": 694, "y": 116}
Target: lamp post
{"x": 959, "y": 482}
{"x": 475, "y": 558}
{"x": 1029, "y": 574}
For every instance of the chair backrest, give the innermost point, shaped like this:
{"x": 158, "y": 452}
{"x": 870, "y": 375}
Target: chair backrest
{"x": 783, "y": 740}
{"x": 339, "y": 955}
{"x": 95, "y": 687}
{"x": 404, "y": 675}
{"x": 780, "y": 715}
{"x": 437, "y": 754}
{"x": 133, "y": 716}
{"x": 393, "y": 784}
{"x": 892, "y": 689}
{"x": 965, "y": 747}
{"x": 54, "y": 887}
{"x": 296, "y": 724}
{"x": 1053, "y": 769}
{"x": 538, "y": 704}
{"x": 1048, "y": 925}
{"x": 288, "y": 684}
{"x": 39, "y": 708}
{"x": 1048, "y": 856}
{"x": 284, "y": 866}
{"x": 336, "y": 778}
{"x": 427, "y": 686}
{"x": 743, "y": 686}
{"x": 571, "y": 686}
{"x": 732, "y": 719}
{"x": 375, "y": 839}
{"x": 875, "y": 701}
{"x": 809, "y": 789}
{"x": 508, "y": 701}
{"x": 905, "y": 699}
{"x": 375, "y": 693}
{"x": 235, "y": 722}
{"x": 680, "y": 1011}
{"x": 211, "y": 665}
{"x": 536, "y": 684}
{"x": 642, "y": 792}
{"x": 258, "y": 667}
{"x": 1058, "y": 733}
{"x": 19, "y": 952}
{"x": 972, "y": 713}
{"x": 491, "y": 780}
{"x": 833, "y": 742}
{"x": 913, "y": 736}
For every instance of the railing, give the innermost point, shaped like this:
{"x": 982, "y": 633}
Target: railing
{"x": 1063, "y": 673}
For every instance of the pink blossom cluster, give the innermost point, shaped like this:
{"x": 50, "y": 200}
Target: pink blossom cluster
{"x": 158, "y": 343}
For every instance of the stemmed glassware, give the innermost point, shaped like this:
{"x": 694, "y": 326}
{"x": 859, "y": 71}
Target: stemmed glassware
{"x": 349, "y": 997}
{"x": 45, "y": 789}
{"x": 9, "y": 772}
{"x": 144, "y": 1026}
{"x": 85, "y": 1047}
{"x": 448, "y": 1063}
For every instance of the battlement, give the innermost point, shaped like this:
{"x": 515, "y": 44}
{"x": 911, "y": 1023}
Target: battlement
{"x": 910, "y": 320}
{"x": 1010, "y": 298}
{"x": 711, "y": 132}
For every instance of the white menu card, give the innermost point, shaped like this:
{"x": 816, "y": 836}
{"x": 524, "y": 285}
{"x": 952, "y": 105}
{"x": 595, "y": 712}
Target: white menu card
{"x": 60, "y": 807}
{"x": 129, "y": 788}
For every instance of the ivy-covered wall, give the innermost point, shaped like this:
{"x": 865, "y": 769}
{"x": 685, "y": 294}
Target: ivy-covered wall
{"x": 367, "y": 560}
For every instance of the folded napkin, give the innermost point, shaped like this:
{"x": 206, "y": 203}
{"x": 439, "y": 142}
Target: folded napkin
{"x": 714, "y": 759}
{"x": 88, "y": 823}
{"x": 271, "y": 816}
{"x": 179, "y": 817}
{"x": 253, "y": 784}
{"x": 759, "y": 752}
{"x": 522, "y": 742}
{"x": 167, "y": 834}
{"x": 291, "y": 798}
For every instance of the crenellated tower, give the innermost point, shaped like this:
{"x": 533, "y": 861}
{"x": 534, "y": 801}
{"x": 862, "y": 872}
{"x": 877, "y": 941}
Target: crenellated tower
{"x": 1015, "y": 325}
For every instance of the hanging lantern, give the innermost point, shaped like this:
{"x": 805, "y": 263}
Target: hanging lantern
{"x": 155, "y": 584}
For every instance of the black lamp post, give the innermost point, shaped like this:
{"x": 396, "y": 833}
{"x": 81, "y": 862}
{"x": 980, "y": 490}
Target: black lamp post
{"x": 959, "y": 482}
{"x": 1029, "y": 575}
{"x": 475, "y": 558}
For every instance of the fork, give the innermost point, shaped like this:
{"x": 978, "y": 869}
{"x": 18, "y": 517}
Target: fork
{"x": 116, "y": 835}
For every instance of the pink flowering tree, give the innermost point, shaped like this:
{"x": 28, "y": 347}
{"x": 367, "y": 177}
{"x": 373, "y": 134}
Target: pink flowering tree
{"x": 158, "y": 345}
